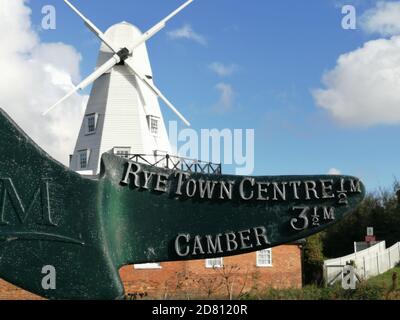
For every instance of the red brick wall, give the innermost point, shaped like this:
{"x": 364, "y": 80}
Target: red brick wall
{"x": 191, "y": 279}
{"x": 240, "y": 274}
{"x": 10, "y": 292}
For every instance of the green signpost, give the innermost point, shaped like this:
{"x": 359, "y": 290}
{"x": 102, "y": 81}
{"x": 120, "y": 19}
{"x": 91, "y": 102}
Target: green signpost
{"x": 85, "y": 230}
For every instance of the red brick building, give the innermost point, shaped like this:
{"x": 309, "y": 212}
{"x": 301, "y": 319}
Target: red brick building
{"x": 10, "y": 292}
{"x": 230, "y": 277}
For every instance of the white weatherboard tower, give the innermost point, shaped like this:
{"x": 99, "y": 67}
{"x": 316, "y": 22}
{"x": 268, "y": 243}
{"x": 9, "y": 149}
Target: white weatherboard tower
{"x": 123, "y": 115}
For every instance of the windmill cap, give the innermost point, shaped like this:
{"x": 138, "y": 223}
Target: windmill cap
{"x": 122, "y": 34}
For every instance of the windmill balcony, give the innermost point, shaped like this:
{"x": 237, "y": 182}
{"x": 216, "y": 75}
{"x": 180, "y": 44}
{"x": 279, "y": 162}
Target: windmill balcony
{"x": 176, "y": 163}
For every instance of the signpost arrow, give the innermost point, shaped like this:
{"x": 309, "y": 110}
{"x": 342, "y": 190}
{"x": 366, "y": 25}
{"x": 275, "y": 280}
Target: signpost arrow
{"x": 135, "y": 213}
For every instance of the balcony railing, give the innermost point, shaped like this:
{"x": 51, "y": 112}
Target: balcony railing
{"x": 176, "y": 163}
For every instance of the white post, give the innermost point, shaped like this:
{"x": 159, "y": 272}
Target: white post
{"x": 377, "y": 261}
{"x": 398, "y": 257}
{"x": 390, "y": 260}
{"x": 365, "y": 271}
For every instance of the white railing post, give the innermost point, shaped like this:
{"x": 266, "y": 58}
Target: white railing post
{"x": 398, "y": 247}
{"x": 377, "y": 261}
{"x": 365, "y": 270}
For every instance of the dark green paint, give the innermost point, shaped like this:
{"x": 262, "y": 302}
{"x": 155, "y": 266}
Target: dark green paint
{"x": 89, "y": 229}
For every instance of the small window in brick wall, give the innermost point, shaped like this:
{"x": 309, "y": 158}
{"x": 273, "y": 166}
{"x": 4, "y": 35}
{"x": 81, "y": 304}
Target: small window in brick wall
{"x": 214, "y": 263}
{"x": 264, "y": 258}
{"x": 147, "y": 266}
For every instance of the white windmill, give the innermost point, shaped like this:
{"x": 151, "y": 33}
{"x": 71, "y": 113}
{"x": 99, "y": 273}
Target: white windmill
{"x": 123, "y": 114}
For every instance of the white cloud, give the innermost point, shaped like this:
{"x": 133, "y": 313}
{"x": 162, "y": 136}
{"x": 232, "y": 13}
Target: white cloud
{"x": 226, "y": 99}
{"x": 383, "y": 19}
{"x": 364, "y": 87}
{"x": 187, "y": 32}
{"x": 223, "y": 70}
{"x": 334, "y": 171}
{"x": 34, "y": 75}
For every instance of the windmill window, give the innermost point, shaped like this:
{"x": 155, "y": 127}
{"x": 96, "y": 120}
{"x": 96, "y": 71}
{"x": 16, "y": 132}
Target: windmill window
{"x": 91, "y": 123}
{"x": 264, "y": 258}
{"x": 153, "y": 124}
{"x": 123, "y": 152}
{"x": 214, "y": 263}
{"x": 83, "y": 159}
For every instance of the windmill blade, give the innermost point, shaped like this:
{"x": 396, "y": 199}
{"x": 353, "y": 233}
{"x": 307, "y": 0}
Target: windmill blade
{"x": 146, "y": 36}
{"x": 159, "y": 26}
{"x": 93, "y": 28}
{"x": 156, "y": 91}
{"x": 93, "y": 77}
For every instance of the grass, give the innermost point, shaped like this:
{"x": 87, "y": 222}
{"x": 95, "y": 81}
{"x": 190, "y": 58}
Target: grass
{"x": 385, "y": 279}
{"x": 377, "y": 288}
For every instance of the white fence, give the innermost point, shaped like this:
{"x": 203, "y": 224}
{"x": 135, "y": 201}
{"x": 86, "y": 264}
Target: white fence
{"x": 368, "y": 263}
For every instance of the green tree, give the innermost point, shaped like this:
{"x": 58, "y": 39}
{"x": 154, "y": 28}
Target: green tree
{"x": 313, "y": 259}
{"x": 379, "y": 210}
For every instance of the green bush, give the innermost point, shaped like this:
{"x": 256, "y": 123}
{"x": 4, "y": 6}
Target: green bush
{"x": 367, "y": 291}
{"x": 313, "y": 260}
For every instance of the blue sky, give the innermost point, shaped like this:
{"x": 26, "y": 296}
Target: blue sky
{"x": 280, "y": 51}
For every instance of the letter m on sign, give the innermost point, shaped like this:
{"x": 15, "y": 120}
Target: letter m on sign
{"x": 40, "y": 195}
